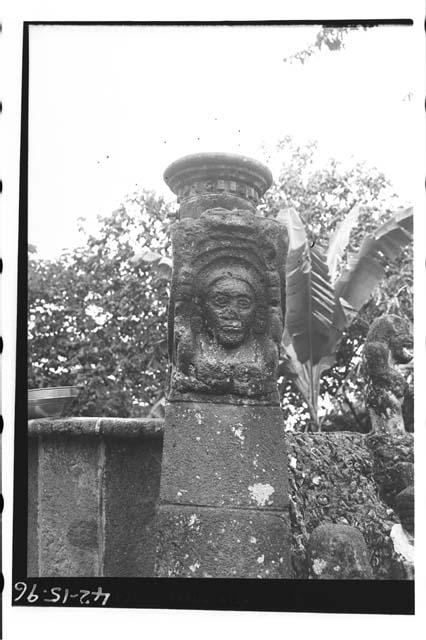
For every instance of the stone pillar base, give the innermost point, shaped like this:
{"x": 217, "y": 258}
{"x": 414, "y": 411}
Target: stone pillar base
{"x": 205, "y": 542}
{"x": 224, "y": 493}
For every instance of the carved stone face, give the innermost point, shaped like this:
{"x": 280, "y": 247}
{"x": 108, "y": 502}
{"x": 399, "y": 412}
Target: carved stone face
{"x": 229, "y": 309}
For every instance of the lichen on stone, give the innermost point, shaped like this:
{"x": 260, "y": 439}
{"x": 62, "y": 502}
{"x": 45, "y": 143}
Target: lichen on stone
{"x": 261, "y": 493}
{"x": 348, "y": 494}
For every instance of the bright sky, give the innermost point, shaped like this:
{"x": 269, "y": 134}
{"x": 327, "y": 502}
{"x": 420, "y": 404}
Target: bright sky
{"x": 111, "y": 107}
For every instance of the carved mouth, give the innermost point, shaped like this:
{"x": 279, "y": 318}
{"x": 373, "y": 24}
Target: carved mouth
{"x": 232, "y": 335}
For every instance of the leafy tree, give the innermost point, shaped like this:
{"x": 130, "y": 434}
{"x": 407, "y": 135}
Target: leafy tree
{"x": 95, "y": 318}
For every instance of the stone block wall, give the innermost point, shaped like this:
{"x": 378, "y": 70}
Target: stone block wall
{"x": 93, "y": 489}
{"x": 94, "y": 486}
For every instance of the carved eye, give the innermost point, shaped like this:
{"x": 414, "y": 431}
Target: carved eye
{"x": 220, "y": 300}
{"x": 244, "y": 303}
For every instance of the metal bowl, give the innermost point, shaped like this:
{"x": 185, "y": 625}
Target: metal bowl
{"x": 50, "y": 402}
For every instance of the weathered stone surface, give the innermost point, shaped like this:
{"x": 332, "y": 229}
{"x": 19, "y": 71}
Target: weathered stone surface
{"x": 33, "y": 531}
{"x": 338, "y": 552}
{"x": 331, "y": 479}
{"x": 395, "y": 333}
{"x": 224, "y": 455}
{"x": 222, "y": 543}
{"x": 389, "y": 342}
{"x": 404, "y": 472}
{"x": 208, "y": 180}
{"x": 408, "y": 408}
{"x": 92, "y": 499}
{"x": 393, "y": 458}
{"x": 68, "y": 510}
{"x": 111, "y": 427}
{"x": 83, "y": 534}
{"x": 131, "y": 487}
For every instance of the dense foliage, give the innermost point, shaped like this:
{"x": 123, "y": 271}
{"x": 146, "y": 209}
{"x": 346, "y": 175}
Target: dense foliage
{"x": 95, "y": 318}
{"x": 97, "y": 315}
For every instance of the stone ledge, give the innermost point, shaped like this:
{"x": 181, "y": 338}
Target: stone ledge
{"x": 110, "y": 427}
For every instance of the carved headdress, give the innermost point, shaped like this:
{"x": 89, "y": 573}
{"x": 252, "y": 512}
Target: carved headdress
{"x": 222, "y": 243}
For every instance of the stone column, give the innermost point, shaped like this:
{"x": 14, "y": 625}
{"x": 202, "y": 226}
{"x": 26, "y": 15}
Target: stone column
{"x": 223, "y": 508}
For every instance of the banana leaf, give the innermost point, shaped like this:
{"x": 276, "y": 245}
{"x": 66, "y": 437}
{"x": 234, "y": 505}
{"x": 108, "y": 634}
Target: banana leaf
{"x": 339, "y": 240}
{"x": 364, "y": 270}
{"x": 306, "y": 377}
{"x": 310, "y": 297}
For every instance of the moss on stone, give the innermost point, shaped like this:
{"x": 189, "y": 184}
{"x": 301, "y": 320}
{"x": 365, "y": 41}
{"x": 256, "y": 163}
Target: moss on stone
{"x": 332, "y": 478}
{"x": 393, "y": 457}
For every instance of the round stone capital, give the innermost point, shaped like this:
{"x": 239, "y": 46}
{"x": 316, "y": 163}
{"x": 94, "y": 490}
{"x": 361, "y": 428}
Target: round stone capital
{"x": 207, "y": 180}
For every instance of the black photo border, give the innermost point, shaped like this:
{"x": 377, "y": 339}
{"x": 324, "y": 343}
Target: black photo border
{"x": 375, "y": 596}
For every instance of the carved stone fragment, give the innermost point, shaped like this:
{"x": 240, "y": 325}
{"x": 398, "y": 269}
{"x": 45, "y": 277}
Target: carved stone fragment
{"x": 338, "y": 552}
{"x": 389, "y": 342}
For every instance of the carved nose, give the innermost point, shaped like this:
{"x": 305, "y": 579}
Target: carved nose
{"x": 231, "y": 312}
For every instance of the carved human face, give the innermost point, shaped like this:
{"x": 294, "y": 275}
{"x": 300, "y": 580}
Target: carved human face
{"x": 229, "y": 310}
